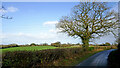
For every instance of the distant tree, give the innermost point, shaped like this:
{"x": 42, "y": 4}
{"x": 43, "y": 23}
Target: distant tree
{"x": 78, "y": 44}
{"x": 107, "y": 44}
{"x": 89, "y": 20}
{"x": 44, "y": 44}
{"x": 32, "y": 44}
{"x": 56, "y": 44}
{"x": 14, "y": 45}
{"x": 69, "y": 43}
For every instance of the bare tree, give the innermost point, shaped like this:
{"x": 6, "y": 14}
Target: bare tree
{"x": 89, "y": 20}
{"x": 4, "y": 16}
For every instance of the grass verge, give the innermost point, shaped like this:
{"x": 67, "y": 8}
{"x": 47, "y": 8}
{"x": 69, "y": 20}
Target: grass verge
{"x": 76, "y": 60}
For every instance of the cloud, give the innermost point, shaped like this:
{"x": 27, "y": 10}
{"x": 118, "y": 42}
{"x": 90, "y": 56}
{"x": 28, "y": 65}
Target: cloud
{"x": 25, "y": 38}
{"x": 50, "y": 23}
{"x": 54, "y": 30}
{"x": 8, "y": 9}
{"x": 12, "y": 9}
{"x": 20, "y": 35}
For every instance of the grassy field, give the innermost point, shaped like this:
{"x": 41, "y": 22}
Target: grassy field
{"x": 34, "y": 48}
{"x": 30, "y": 48}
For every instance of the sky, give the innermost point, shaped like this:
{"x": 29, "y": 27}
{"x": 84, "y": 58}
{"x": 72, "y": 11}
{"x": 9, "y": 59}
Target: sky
{"x": 34, "y": 22}
{"x": 60, "y": 0}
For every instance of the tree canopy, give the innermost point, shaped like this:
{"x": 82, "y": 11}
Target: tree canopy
{"x": 89, "y": 20}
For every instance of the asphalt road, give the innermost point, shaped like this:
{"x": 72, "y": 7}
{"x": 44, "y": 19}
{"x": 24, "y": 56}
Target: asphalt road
{"x": 99, "y": 59}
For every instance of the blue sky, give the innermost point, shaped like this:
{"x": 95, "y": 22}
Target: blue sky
{"x": 34, "y": 22}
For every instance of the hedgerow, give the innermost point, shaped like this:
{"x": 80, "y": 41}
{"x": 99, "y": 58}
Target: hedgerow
{"x": 50, "y": 57}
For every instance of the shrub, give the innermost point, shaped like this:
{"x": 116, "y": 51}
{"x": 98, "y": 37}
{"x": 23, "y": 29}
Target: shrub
{"x": 91, "y": 48}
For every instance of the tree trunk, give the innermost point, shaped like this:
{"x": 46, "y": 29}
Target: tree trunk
{"x": 85, "y": 45}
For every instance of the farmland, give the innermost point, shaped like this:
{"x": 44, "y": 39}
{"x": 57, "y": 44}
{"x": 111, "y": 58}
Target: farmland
{"x": 29, "y": 48}
{"x": 32, "y": 48}
{"x": 37, "y": 48}
{"x": 47, "y": 55}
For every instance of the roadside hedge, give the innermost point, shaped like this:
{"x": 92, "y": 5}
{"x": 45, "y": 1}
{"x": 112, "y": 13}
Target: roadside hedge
{"x": 50, "y": 57}
{"x": 41, "y": 58}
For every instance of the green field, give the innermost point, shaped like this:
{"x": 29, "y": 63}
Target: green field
{"x": 29, "y": 48}
{"x": 32, "y": 48}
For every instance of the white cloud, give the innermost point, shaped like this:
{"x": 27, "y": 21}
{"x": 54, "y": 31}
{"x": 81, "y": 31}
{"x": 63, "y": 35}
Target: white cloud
{"x": 50, "y": 23}
{"x": 31, "y": 36}
{"x": 12, "y": 9}
{"x": 25, "y": 38}
{"x": 54, "y": 30}
{"x": 8, "y": 9}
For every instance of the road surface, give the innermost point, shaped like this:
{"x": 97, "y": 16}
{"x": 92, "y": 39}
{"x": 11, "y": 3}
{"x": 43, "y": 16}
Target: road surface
{"x": 99, "y": 59}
